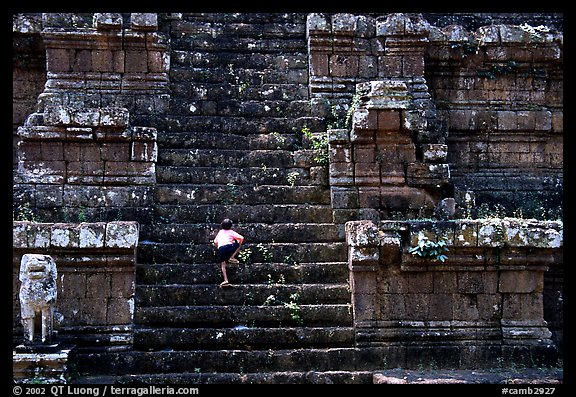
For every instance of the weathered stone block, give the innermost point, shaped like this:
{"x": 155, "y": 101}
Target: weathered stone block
{"x": 114, "y": 117}
{"x": 107, "y": 21}
{"x": 82, "y": 61}
{"x": 441, "y": 306}
{"x": 340, "y": 154}
{"x": 413, "y": 65}
{"x": 420, "y": 282}
{"x": 476, "y": 283}
{"x": 344, "y": 197}
{"x": 119, "y": 311}
{"x": 507, "y": 120}
{"x": 115, "y": 151}
{"x": 58, "y": 59}
{"x": 491, "y": 233}
{"x": 434, "y": 153}
{"x": 522, "y": 307}
{"x": 417, "y": 306}
{"x": 93, "y": 311}
{"x": 72, "y": 285}
{"x": 365, "y": 307}
{"x": 341, "y": 173}
{"x": 97, "y": 285}
{"x": 122, "y": 285}
{"x": 103, "y": 60}
{"x": 444, "y": 282}
{"x": 524, "y": 233}
{"x": 520, "y": 282}
{"x": 144, "y": 21}
{"x": 362, "y": 233}
{"x": 92, "y": 235}
{"x": 144, "y": 151}
{"x": 389, "y": 120}
{"x": 65, "y": 235}
{"x": 121, "y": 234}
{"x": 363, "y": 119}
{"x": 390, "y": 66}
{"x": 367, "y": 174}
{"x": 364, "y": 153}
{"x": 20, "y": 234}
{"x": 489, "y": 306}
{"x": 392, "y": 307}
{"x": 465, "y": 308}
{"x": 369, "y": 197}
{"x": 39, "y": 235}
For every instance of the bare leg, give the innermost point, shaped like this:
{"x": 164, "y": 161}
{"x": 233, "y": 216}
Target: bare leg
{"x": 223, "y": 266}
{"x": 235, "y": 252}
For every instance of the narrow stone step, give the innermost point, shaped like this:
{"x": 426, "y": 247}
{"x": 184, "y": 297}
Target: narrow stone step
{"x": 275, "y": 140}
{"x": 313, "y": 315}
{"x": 189, "y": 252}
{"x": 239, "y": 294}
{"x": 185, "y": 140}
{"x": 186, "y": 194}
{"x": 244, "y": 213}
{"x": 253, "y": 232}
{"x": 232, "y": 158}
{"x": 219, "y": 361}
{"x": 243, "y": 337}
{"x": 265, "y": 273}
{"x": 237, "y": 176}
{"x": 245, "y": 126}
{"x": 256, "y": 378}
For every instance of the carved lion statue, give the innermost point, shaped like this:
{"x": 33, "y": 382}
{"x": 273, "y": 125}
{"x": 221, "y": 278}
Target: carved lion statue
{"x": 37, "y": 294}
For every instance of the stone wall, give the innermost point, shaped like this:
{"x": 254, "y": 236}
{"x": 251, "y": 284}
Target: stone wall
{"x": 499, "y": 89}
{"x": 492, "y": 93}
{"x": 489, "y": 86}
{"x": 483, "y": 304}
{"x": 28, "y": 70}
{"x": 96, "y": 275}
{"x": 88, "y": 150}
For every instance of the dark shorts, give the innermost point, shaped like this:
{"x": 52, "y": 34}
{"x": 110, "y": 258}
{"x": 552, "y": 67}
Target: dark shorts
{"x": 226, "y": 251}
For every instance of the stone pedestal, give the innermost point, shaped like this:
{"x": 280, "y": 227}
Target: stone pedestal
{"x": 480, "y": 305}
{"x": 46, "y": 363}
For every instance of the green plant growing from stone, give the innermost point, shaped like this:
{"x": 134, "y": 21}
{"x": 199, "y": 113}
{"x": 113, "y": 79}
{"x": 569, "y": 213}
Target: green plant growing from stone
{"x": 82, "y": 217}
{"x": 245, "y": 256}
{"x": 293, "y": 306}
{"x": 427, "y": 248}
{"x": 281, "y": 279}
{"x": 24, "y": 212}
{"x": 290, "y": 261}
{"x": 266, "y": 253}
{"x": 319, "y": 146}
{"x": 270, "y": 300}
{"x": 353, "y": 106}
{"x": 294, "y": 309}
{"x": 189, "y": 251}
{"x": 292, "y": 178}
{"x": 278, "y": 139}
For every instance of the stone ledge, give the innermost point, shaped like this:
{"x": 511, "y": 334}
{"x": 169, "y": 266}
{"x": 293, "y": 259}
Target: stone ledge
{"x": 119, "y": 235}
{"x": 496, "y": 376}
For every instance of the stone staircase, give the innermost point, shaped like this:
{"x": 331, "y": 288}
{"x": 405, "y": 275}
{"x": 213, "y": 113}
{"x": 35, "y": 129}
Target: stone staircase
{"x": 236, "y": 150}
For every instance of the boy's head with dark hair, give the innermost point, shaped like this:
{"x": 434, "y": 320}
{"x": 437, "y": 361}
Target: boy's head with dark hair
{"x": 226, "y": 224}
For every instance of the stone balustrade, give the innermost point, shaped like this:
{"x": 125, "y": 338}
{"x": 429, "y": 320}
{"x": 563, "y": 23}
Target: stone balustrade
{"x": 484, "y": 303}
